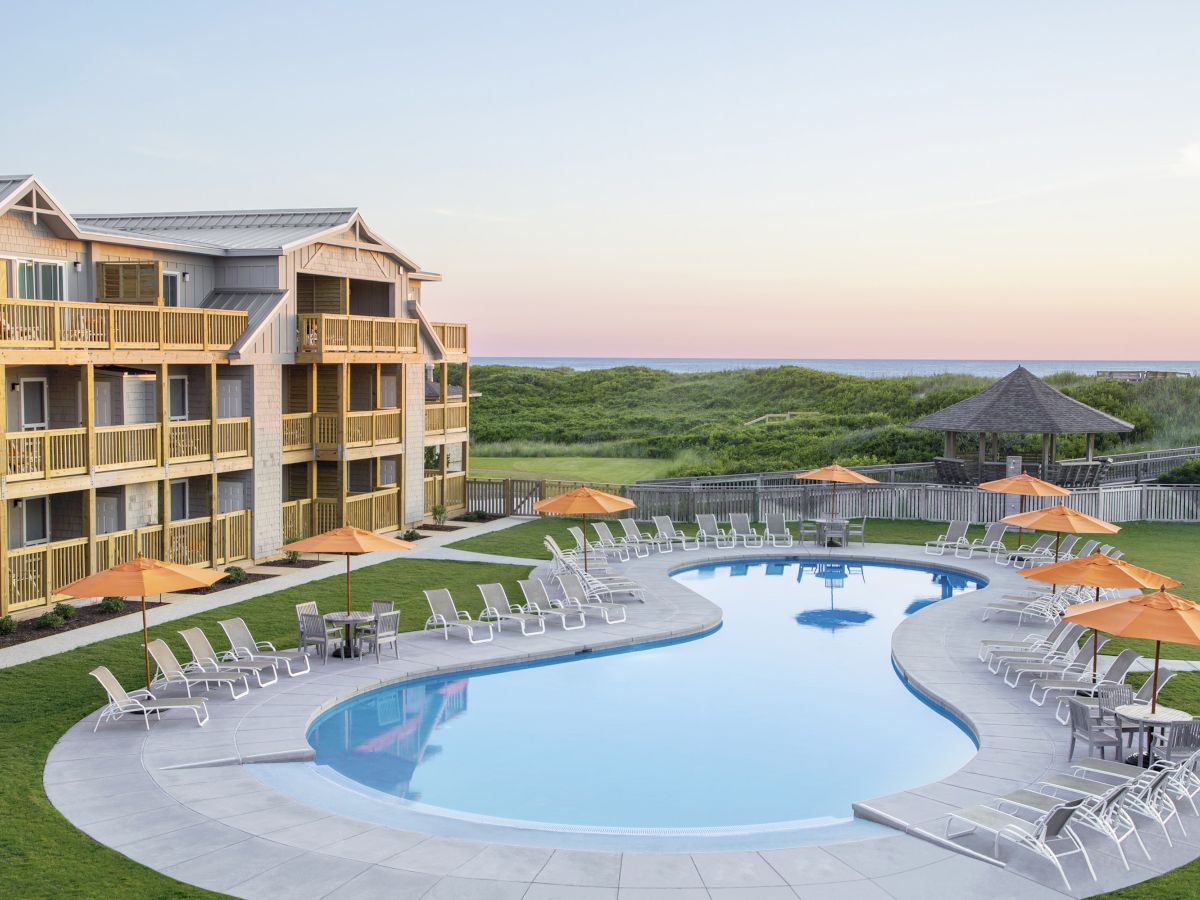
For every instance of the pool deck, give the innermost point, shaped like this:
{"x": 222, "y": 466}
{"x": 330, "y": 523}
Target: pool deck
{"x": 186, "y": 801}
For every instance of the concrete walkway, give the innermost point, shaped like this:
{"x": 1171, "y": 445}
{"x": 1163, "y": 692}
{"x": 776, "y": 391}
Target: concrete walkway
{"x": 188, "y": 801}
{"x": 183, "y": 605}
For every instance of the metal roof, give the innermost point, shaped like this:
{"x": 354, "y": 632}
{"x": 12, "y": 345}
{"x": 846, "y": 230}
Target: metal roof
{"x": 257, "y": 303}
{"x": 10, "y": 184}
{"x": 266, "y": 229}
{"x": 1022, "y": 403}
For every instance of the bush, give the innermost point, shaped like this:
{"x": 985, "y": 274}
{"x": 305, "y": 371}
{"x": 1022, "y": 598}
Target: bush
{"x": 111, "y": 605}
{"x": 439, "y": 514}
{"x": 65, "y": 610}
{"x": 1188, "y": 473}
{"x": 411, "y": 535}
{"x": 235, "y": 575}
{"x": 475, "y": 515}
{"x": 8, "y": 625}
{"x": 292, "y": 556}
{"x": 51, "y": 620}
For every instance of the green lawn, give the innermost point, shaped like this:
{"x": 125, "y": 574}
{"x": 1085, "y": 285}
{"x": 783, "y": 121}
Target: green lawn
{"x": 42, "y": 854}
{"x": 598, "y": 469}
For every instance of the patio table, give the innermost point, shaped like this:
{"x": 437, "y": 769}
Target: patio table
{"x": 351, "y": 622}
{"x": 829, "y": 525}
{"x": 1140, "y": 715}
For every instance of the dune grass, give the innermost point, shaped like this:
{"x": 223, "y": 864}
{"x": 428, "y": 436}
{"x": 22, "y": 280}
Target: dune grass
{"x": 42, "y": 854}
{"x": 599, "y": 469}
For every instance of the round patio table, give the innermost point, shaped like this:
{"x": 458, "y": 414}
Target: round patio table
{"x": 828, "y": 527}
{"x": 1140, "y": 715}
{"x": 350, "y": 621}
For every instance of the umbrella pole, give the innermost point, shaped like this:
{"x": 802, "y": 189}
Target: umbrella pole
{"x": 1095, "y": 650}
{"x": 145, "y": 642}
{"x": 347, "y": 582}
{"x": 585, "y": 543}
{"x": 1154, "y": 690}
{"x": 833, "y": 500}
{"x": 1054, "y": 587}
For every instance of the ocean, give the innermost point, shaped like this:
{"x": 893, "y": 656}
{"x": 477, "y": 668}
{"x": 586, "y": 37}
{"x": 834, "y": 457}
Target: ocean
{"x": 873, "y": 368}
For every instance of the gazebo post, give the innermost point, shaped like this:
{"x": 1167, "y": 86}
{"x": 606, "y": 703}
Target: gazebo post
{"x": 948, "y": 448}
{"x": 1091, "y": 446}
{"x": 982, "y": 452}
{"x": 1045, "y": 473}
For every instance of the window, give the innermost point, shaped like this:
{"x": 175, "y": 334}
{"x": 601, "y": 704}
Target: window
{"x": 33, "y": 404}
{"x": 178, "y": 398}
{"x": 39, "y": 280}
{"x": 179, "y": 500}
{"x": 170, "y": 289}
{"x": 37, "y": 520}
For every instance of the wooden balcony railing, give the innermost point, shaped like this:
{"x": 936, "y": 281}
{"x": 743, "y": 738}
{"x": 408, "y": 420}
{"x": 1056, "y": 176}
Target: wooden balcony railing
{"x": 443, "y": 417}
{"x": 233, "y": 438}
{"x": 374, "y": 511}
{"x": 35, "y": 573}
{"x": 335, "y": 333}
{"x": 54, "y": 324}
{"x": 118, "y": 547}
{"x": 450, "y": 491}
{"x": 368, "y": 428}
{"x": 297, "y": 520}
{"x": 453, "y": 336}
{"x": 190, "y": 440}
{"x": 127, "y": 446}
{"x": 191, "y": 541}
{"x": 297, "y": 431}
{"x": 32, "y": 455}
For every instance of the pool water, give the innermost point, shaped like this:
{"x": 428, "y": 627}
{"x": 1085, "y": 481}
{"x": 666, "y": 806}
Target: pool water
{"x": 788, "y": 713}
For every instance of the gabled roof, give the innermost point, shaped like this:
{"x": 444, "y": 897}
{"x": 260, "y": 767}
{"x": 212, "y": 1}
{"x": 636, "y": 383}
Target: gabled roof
{"x": 1022, "y": 403}
{"x": 266, "y": 230}
{"x": 259, "y": 304}
{"x": 25, "y": 193}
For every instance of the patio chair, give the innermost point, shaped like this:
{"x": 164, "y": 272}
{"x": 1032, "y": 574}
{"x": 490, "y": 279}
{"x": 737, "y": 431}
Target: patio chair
{"x": 386, "y": 631}
{"x": 1112, "y": 676}
{"x": 1148, "y": 796}
{"x": 378, "y": 608}
{"x": 306, "y": 608}
{"x": 1033, "y": 641}
{"x": 497, "y": 607}
{"x": 608, "y": 539}
{"x": 595, "y": 549}
{"x": 707, "y": 530}
{"x": 579, "y": 596}
{"x": 856, "y": 528}
{"x": 1046, "y": 607}
{"x": 242, "y": 645}
{"x": 1092, "y": 731}
{"x": 742, "y": 530}
{"x": 1063, "y": 638}
{"x": 445, "y": 615}
{"x": 1042, "y": 836}
{"x": 809, "y": 531}
{"x": 1106, "y": 549}
{"x": 635, "y": 536}
{"x": 666, "y": 535}
{"x": 776, "y": 532}
{"x": 1086, "y": 550}
{"x": 1027, "y": 555}
{"x": 169, "y": 671}
{"x": 316, "y": 632}
{"x": 954, "y": 537}
{"x": 206, "y": 659}
{"x": 990, "y": 544}
{"x": 1072, "y": 661}
{"x": 539, "y": 605}
{"x": 140, "y": 702}
{"x": 1141, "y": 695}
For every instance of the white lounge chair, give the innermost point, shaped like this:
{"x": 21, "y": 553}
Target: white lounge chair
{"x": 595, "y": 549}
{"x": 1065, "y": 638}
{"x": 1086, "y": 550}
{"x": 635, "y": 536}
{"x": 498, "y": 608}
{"x": 742, "y": 530}
{"x": 580, "y": 597}
{"x": 445, "y": 615}
{"x": 1061, "y": 666}
{"x": 1035, "y": 641}
{"x": 243, "y": 646}
{"x": 777, "y": 532}
{"x": 1079, "y": 683}
{"x": 666, "y": 535}
{"x": 990, "y": 544}
{"x": 205, "y": 659}
{"x": 1028, "y": 555}
{"x": 140, "y": 702}
{"x": 608, "y": 539}
{"x": 540, "y": 605}
{"x": 707, "y": 530}
{"x": 955, "y": 537}
{"x": 169, "y": 670}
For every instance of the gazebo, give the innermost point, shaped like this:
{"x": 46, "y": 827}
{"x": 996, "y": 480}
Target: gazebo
{"x": 1020, "y": 403}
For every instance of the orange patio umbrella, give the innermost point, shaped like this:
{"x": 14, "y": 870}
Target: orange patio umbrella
{"x": 1100, "y": 571}
{"x": 1061, "y": 520}
{"x": 580, "y": 502}
{"x": 1158, "y": 617}
{"x": 837, "y": 475}
{"x": 1024, "y": 485}
{"x": 348, "y": 540}
{"x": 140, "y": 577}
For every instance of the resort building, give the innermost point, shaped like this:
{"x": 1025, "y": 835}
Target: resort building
{"x": 203, "y": 387}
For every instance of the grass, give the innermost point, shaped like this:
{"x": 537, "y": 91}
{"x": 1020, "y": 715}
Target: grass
{"x": 599, "y": 469}
{"x": 43, "y": 854}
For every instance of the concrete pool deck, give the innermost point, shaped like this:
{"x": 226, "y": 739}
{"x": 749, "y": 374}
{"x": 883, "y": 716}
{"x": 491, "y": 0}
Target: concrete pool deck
{"x": 186, "y": 801}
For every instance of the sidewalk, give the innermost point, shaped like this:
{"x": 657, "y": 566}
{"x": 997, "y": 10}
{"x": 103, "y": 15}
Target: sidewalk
{"x": 180, "y": 606}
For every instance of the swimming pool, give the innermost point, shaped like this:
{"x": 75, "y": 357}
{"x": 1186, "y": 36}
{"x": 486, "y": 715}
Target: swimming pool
{"x": 788, "y": 713}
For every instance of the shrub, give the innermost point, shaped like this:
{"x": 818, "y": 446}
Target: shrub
{"x": 65, "y": 610}
{"x": 292, "y": 556}
{"x": 111, "y": 605}
{"x": 1188, "y": 473}
{"x": 475, "y": 515}
{"x": 411, "y": 535}
{"x": 235, "y": 575}
{"x": 8, "y": 625}
{"x": 50, "y": 620}
{"x": 439, "y": 514}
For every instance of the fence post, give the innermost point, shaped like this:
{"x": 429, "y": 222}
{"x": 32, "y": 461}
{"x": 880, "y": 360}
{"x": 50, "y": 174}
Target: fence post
{"x": 508, "y": 497}
{"x": 1142, "y": 502}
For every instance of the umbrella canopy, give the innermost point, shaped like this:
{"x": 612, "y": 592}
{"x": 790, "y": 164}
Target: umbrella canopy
{"x": 581, "y": 502}
{"x": 1100, "y": 571}
{"x": 138, "y": 578}
{"x": 1061, "y": 519}
{"x": 348, "y": 540}
{"x": 838, "y": 475}
{"x": 1157, "y": 617}
{"x": 1026, "y": 485}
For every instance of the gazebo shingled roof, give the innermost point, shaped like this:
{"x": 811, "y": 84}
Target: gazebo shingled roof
{"x": 1021, "y": 403}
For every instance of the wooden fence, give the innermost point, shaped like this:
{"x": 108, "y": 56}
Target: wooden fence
{"x": 925, "y": 502}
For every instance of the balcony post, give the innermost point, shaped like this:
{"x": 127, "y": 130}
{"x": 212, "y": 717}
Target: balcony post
{"x": 89, "y": 415}
{"x": 212, "y": 410}
{"x": 376, "y": 404}
{"x": 164, "y": 516}
{"x": 89, "y": 523}
{"x": 4, "y": 562}
{"x": 3, "y": 462}
{"x": 164, "y": 414}
{"x": 112, "y": 327}
{"x": 312, "y": 496}
{"x": 212, "y": 531}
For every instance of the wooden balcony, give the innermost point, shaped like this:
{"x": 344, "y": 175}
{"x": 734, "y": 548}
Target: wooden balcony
{"x": 62, "y": 452}
{"x": 297, "y": 431}
{"x": 297, "y": 520}
{"x": 453, "y": 336}
{"x": 375, "y": 338}
{"x": 443, "y": 418}
{"x": 450, "y": 491}
{"x": 60, "y": 325}
{"x": 375, "y": 511}
{"x": 370, "y": 428}
{"x": 35, "y": 573}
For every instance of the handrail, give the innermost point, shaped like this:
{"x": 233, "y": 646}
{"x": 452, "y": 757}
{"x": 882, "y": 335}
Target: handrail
{"x": 339, "y": 333}
{"x": 453, "y": 336}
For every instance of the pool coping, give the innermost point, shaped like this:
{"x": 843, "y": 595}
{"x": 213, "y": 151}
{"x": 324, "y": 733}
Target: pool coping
{"x": 148, "y": 794}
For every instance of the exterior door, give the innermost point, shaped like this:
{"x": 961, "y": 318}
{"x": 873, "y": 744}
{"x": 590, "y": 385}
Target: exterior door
{"x": 231, "y": 496}
{"x": 108, "y": 515}
{"x": 33, "y": 404}
{"x": 103, "y": 395}
{"x": 229, "y": 398}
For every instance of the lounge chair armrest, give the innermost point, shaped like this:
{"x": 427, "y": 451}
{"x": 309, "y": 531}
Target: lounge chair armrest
{"x": 140, "y": 694}
{"x": 263, "y": 645}
{"x": 464, "y": 615}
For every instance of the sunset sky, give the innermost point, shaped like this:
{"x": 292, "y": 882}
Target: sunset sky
{"x": 742, "y": 179}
